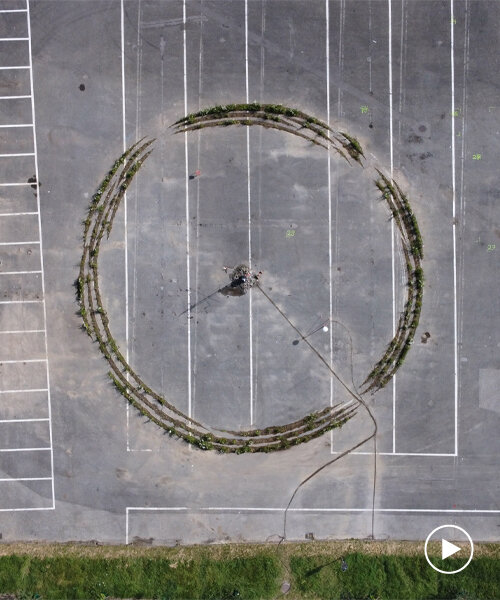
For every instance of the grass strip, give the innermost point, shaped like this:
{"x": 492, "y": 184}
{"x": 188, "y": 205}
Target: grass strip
{"x": 76, "y": 577}
{"x": 386, "y": 577}
{"x": 376, "y": 570}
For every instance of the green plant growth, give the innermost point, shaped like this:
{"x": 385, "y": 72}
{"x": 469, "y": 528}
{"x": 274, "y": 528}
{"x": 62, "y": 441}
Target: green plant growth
{"x": 156, "y": 408}
{"x": 412, "y": 244}
{"x": 275, "y": 116}
{"x": 80, "y": 577}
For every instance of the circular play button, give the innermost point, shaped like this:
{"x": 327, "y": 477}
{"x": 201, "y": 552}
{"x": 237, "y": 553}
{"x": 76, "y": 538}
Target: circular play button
{"x": 461, "y": 548}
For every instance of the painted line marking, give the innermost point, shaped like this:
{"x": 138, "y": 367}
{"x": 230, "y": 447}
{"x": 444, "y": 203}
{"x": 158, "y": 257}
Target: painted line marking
{"x": 23, "y": 391}
{"x": 30, "y": 360}
{"x": 186, "y": 177}
{"x": 49, "y": 449}
{"x": 299, "y": 510}
{"x": 13, "y": 184}
{"x": 14, "y": 97}
{"x": 393, "y": 261}
{"x": 14, "y": 10}
{"x": 18, "y": 243}
{"x": 250, "y": 305}
{"x": 433, "y": 454}
{"x": 26, "y": 509}
{"x": 455, "y": 316}
{"x": 18, "y": 214}
{"x": 21, "y": 301}
{"x": 313, "y": 510}
{"x": 122, "y": 24}
{"x": 15, "y": 125}
{"x": 125, "y": 203}
{"x": 22, "y": 420}
{"x": 18, "y": 272}
{"x": 37, "y": 179}
{"x": 27, "y": 479}
{"x": 17, "y": 155}
{"x": 14, "y": 39}
{"x": 11, "y": 68}
{"x": 22, "y": 331}
{"x": 329, "y": 179}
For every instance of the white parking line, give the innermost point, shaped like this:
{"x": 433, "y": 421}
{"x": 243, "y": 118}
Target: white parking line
{"x": 13, "y": 39}
{"x": 17, "y": 154}
{"x": 15, "y": 125}
{"x": 18, "y": 214}
{"x": 330, "y": 257}
{"x": 122, "y": 33}
{"x": 15, "y": 184}
{"x": 49, "y": 449}
{"x": 27, "y": 479}
{"x": 18, "y": 272}
{"x": 18, "y": 243}
{"x": 393, "y": 262}
{"x": 186, "y": 178}
{"x": 14, "y": 10}
{"x": 30, "y": 360}
{"x": 21, "y": 301}
{"x": 23, "y": 331}
{"x": 26, "y": 509}
{"x": 125, "y": 203}
{"x": 250, "y": 305}
{"x": 14, "y": 97}
{"x": 246, "y": 509}
{"x": 23, "y": 391}
{"x": 37, "y": 179}
{"x": 385, "y": 510}
{"x": 455, "y": 365}
{"x": 22, "y": 420}
{"x": 434, "y": 454}
{"x": 11, "y": 68}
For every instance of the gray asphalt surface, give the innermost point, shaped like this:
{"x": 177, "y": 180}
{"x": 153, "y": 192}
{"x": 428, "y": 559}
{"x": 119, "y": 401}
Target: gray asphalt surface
{"x": 85, "y": 466}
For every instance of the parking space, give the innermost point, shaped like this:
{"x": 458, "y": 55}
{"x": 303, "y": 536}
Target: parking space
{"x": 15, "y": 108}
{"x": 24, "y": 434}
{"x": 18, "y": 346}
{"x": 13, "y": 25}
{"x": 21, "y": 316}
{"x": 17, "y": 138}
{"x": 19, "y": 257}
{"x": 23, "y": 374}
{"x": 17, "y": 199}
{"x": 25, "y": 425}
{"x": 19, "y": 404}
{"x": 23, "y": 494}
{"x": 28, "y": 464}
{"x": 14, "y": 53}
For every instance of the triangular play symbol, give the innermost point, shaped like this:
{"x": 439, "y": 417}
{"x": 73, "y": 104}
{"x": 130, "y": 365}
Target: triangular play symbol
{"x": 448, "y": 549}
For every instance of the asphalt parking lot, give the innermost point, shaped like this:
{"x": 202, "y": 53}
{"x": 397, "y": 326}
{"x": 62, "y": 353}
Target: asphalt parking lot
{"x": 81, "y": 81}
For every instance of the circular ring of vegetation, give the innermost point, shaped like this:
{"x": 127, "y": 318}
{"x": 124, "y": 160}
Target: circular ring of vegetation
{"x": 155, "y": 407}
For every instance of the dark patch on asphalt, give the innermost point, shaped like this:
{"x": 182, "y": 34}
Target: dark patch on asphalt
{"x": 415, "y": 139}
{"x": 425, "y": 337}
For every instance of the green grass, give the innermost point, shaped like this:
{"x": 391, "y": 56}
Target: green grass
{"x": 385, "y": 577}
{"x": 253, "y": 572}
{"x": 82, "y": 577}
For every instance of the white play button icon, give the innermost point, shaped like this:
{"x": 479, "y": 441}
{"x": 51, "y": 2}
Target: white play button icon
{"x": 448, "y": 549}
